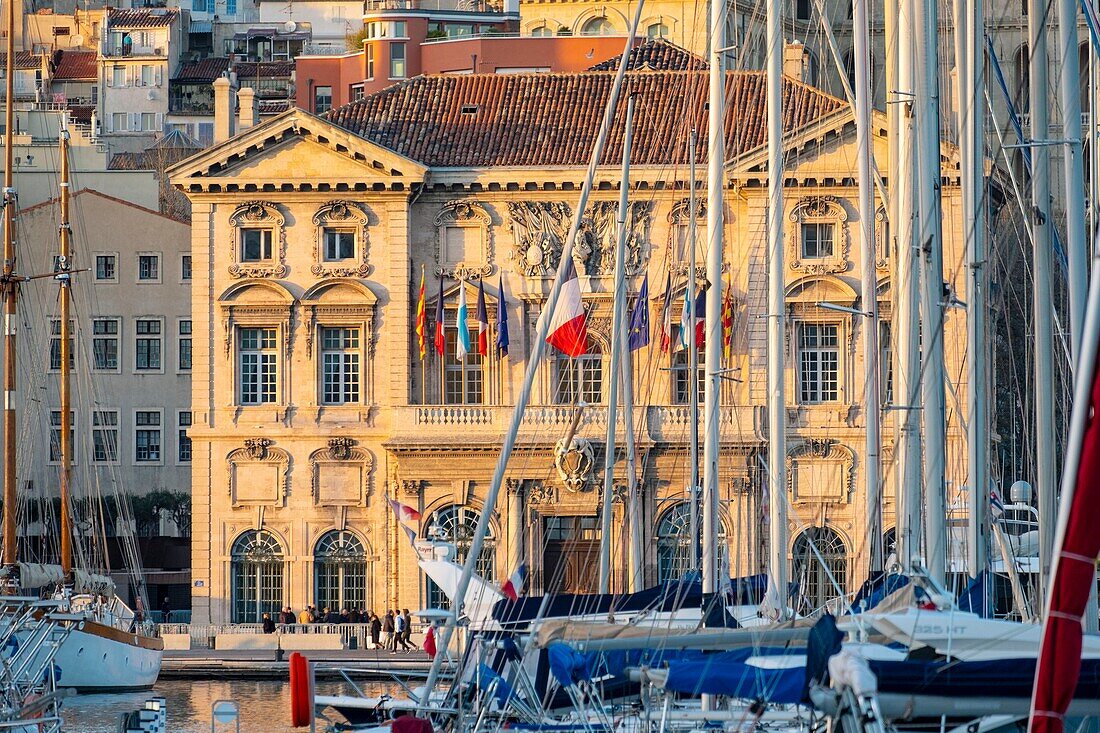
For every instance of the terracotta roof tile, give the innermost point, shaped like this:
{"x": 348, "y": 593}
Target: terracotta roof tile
{"x": 656, "y": 54}
{"x": 23, "y": 60}
{"x": 487, "y": 120}
{"x": 274, "y": 106}
{"x": 72, "y": 64}
{"x": 263, "y": 69}
{"x": 204, "y": 71}
{"x": 150, "y": 159}
{"x": 142, "y": 18}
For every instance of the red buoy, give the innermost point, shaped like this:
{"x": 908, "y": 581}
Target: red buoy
{"x": 301, "y": 691}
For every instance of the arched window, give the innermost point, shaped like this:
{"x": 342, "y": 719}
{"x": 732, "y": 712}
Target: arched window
{"x": 340, "y": 571}
{"x": 674, "y": 543}
{"x": 457, "y": 525}
{"x": 541, "y": 31}
{"x": 657, "y": 30}
{"x": 819, "y": 560}
{"x": 598, "y": 27}
{"x": 258, "y": 571}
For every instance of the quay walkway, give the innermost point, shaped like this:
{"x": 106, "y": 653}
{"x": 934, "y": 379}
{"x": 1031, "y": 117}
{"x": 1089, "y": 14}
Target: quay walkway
{"x": 267, "y": 664}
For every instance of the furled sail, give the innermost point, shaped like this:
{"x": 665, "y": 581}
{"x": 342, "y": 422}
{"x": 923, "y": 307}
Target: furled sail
{"x": 39, "y": 575}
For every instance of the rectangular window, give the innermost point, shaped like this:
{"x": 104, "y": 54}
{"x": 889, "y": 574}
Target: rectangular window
{"x": 339, "y": 244}
{"x": 818, "y": 362}
{"x": 105, "y": 267}
{"x": 185, "y": 267}
{"x": 463, "y": 380}
{"x": 400, "y": 29}
{"x": 579, "y": 379}
{"x": 185, "y": 345}
{"x": 359, "y": 91}
{"x": 55, "y": 344}
{"x": 147, "y": 346}
{"x": 230, "y": 7}
{"x": 105, "y": 436}
{"x": 118, "y": 121}
{"x": 148, "y": 75}
{"x": 149, "y": 267}
{"x": 802, "y": 9}
{"x": 255, "y": 245}
{"x": 148, "y": 121}
{"x": 322, "y": 100}
{"x": 370, "y": 61}
{"x": 55, "y": 437}
{"x": 183, "y": 454}
{"x": 206, "y": 133}
{"x": 817, "y": 239}
{"x": 198, "y": 6}
{"x": 258, "y": 365}
{"x": 105, "y": 344}
{"x": 681, "y": 374}
{"x": 886, "y": 362}
{"x": 147, "y": 436}
{"x": 397, "y": 60}
{"x": 118, "y": 77}
{"x": 340, "y": 366}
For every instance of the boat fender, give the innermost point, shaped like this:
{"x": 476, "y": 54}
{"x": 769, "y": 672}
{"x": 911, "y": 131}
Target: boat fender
{"x": 301, "y": 691}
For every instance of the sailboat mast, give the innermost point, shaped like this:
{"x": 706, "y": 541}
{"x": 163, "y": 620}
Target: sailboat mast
{"x": 872, "y": 400}
{"x": 970, "y": 47}
{"x": 618, "y": 317}
{"x": 777, "y": 399}
{"x": 693, "y": 365}
{"x": 10, "y": 283}
{"x": 64, "y": 263}
{"x": 932, "y": 290}
{"x": 716, "y": 207}
{"x": 1042, "y": 305}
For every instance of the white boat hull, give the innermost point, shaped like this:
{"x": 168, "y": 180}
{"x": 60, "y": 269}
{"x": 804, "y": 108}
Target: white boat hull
{"x": 97, "y": 658}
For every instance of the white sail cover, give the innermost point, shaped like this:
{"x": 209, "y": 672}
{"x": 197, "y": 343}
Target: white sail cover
{"x": 85, "y": 582}
{"x": 39, "y": 575}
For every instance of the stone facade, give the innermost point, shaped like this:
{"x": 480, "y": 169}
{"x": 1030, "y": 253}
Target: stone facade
{"x": 283, "y": 458}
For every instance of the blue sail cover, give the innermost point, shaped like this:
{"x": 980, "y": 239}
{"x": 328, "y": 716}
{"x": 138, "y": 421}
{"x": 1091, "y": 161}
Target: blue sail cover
{"x": 727, "y": 673}
{"x": 877, "y": 587}
{"x": 999, "y": 677}
{"x": 567, "y": 664}
{"x": 976, "y": 597}
{"x": 486, "y": 676}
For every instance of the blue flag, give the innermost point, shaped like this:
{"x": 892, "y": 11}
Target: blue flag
{"x": 502, "y": 322}
{"x": 639, "y": 318}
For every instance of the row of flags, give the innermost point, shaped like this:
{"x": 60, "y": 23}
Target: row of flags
{"x": 568, "y": 331}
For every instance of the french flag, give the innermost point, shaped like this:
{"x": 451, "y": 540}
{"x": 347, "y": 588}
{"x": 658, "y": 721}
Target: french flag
{"x": 404, "y": 512}
{"x": 568, "y": 331}
{"x": 514, "y": 585}
{"x": 482, "y": 321}
{"x": 696, "y": 314}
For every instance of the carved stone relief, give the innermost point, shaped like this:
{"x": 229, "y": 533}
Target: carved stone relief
{"x": 538, "y": 230}
{"x": 574, "y": 463}
{"x": 467, "y": 215}
{"x": 340, "y": 473}
{"x": 345, "y": 215}
{"x": 258, "y": 473}
{"x": 263, "y": 215}
{"x": 594, "y": 251}
{"x": 821, "y": 469}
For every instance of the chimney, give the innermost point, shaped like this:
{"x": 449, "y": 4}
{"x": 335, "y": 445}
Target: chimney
{"x": 795, "y": 61}
{"x": 224, "y": 98}
{"x": 250, "y": 112}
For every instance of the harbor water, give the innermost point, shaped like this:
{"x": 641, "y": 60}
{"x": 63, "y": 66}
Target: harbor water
{"x": 264, "y": 705}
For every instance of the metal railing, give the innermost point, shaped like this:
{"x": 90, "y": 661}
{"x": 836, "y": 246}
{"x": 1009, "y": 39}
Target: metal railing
{"x": 352, "y": 636}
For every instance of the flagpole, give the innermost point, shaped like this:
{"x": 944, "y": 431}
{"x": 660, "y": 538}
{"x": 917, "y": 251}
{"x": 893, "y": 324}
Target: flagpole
{"x": 422, "y": 312}
{"x": 693, "y": 368}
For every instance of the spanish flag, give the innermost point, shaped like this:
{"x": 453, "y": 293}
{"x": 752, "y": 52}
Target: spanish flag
{"x": 421, "y": 321}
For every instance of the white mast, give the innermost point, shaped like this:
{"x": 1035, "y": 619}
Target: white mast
{"x": 1069, "y": 82}
{"x": 970, "y": 52}
{"x": 932, "y": 292}
{"x": 777, "y": 400}
{"x": 618, "y": 349}
{"x": 693, "y": 365}
{"x": 904, "y": 333}
{"x": 872, "y": 396}
{"x": 716, "y": 206}
{"x": 1042, "y": 306}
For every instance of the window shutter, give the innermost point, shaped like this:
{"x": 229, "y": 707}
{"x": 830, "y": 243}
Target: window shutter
{"x": 135, "y": 121}
{"x": 160, "y": 121}
{"x": 160, "y": 76}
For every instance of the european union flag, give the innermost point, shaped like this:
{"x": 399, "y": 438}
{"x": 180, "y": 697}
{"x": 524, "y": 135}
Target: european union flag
{"x": 639, "y": 318}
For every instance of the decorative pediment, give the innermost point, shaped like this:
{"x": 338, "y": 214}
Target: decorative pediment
{"x": 464, "y": 240}
{"x": 679, "y": 221}
{"x": 339, "y": 302}
{"x": 821, "y": 470}
{"x": 341, "y": 218}
{"x": 296, "y": 151}
{"x": 340, "y": 473}
{"x": 256, "y": 303}
{"x": 263, "y": 221}
{"x": 258, "y": 474}
{"x": 819, "y": 242}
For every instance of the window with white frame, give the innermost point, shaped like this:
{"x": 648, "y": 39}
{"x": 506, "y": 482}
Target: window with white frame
{"x": 340, "y": 370}
{"x": 105, "y": 344}
{"x": 886, "y": 362}
{"x": 463, "y": 379}
{"x": 184, "y": 363}
{"x": 149, "y": 267}
{"x": 183, "y": 447}
{"x": 681, "y": 373}
{"x": 148, "y": 342}
{"x": 322, "y": 100}
{"x": 370, "y": 61}
{"x": 106, "y": 267}
{"x": 258, "y": 365}
{"x": 818, "y": 239}
{"x": 105, "y": 436}
{"x": 55, "y": 345}
{"x": 579, "y": 379}
{"x": 255, "y": 244}
{"x": 119, "y": 120}
{"x": 147, "y": 436}
{"x": 118, "y": 76}
{"x": 148, "y": 121}
{"x": 339, "y": 244}
{"x": 397, "y": 60}
{"x": 55, "y": 437}
{"x": 818, "y": 362}
{"x": 148, "y": 75}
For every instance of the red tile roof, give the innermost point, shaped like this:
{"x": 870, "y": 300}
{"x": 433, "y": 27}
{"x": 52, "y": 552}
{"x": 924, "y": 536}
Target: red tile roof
{"x": 656, "y": 54}
{"x": 263, "y": 69}
{"x": 23, "y": 60}
{"x": 274, "y": 106}
{"x": 487, "y": 120}
{"x": 201, "y": 72}
{"x": 75, "y": 65}
{"x": 142, "y": 18}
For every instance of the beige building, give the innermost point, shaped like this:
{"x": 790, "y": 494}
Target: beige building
{"x": 312, "y": 404}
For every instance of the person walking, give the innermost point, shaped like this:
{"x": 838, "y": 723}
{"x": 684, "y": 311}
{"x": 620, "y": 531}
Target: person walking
{"x": 400, "y": 625}
{"x": 375, "y": 630}
{"x": 408, "y": 628}
{"x": 387, "y": 631}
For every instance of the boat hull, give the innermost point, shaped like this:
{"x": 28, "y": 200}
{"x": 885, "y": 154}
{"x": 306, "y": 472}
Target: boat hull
{"x": 98, "y": 658}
